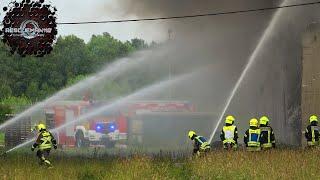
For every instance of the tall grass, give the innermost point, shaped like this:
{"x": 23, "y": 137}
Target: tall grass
{"x": 277, "y": 164}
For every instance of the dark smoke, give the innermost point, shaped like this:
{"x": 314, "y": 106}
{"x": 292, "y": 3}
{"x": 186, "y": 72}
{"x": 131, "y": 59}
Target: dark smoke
{"x": 224, "y": 43}
{"x": 165, "y": 8}
{"x": 183, "y": 7}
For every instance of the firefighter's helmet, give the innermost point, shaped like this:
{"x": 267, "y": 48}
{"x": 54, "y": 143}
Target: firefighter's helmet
{"x": 254, "y": 122}
{"x": 229, "y": 119}
{"x": 191, "y": 134}
{"x": 313, "y": 118}
{"x": 41, "y": 127}
{"x": 264, "y": 120}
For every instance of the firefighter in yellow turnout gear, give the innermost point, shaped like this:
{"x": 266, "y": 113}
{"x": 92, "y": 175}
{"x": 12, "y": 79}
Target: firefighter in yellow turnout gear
{"x": 229, "y": 134}
{"x": 312, "y": 133}
{"x": 252, "y": 136}
{"x": 267, "y": 138}
{"x": 44, "y": 142}
{"x": 200, "y": 143}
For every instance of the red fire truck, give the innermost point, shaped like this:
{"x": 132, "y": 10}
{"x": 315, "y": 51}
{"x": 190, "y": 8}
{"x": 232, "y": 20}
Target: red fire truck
{"x": 108, "y": 128}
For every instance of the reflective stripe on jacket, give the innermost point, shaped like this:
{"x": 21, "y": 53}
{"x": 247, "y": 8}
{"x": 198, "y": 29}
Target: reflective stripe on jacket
{"x": 44, "y": 141}
{"x": 229, "y": 134}
{"x": 254, "y": 138}
{"x": 314, "y": 130}
{"x": 266, "y": 135}
{"x": 312, "y": 135}
{"x": 202, "y": 143}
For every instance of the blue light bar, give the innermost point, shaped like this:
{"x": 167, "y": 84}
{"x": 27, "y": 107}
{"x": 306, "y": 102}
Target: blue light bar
{"x": 99, "y": 127}
{"x": 112, "y": 127}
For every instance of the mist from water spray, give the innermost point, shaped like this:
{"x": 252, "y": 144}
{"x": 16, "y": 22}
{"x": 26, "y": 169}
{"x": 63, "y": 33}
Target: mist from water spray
{"x": 260, "y": 46}
{"x": 110, "y": 72}
{"x": 152, "y": 89}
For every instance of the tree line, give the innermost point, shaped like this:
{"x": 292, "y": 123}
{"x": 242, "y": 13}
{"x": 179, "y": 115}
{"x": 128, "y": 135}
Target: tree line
{"x": 31, "y": 79}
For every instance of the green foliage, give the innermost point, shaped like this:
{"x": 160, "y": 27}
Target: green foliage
{"x": 75, "y": 80}
{"x": 138, "y": 43}
{"x": 16, "y": 101}
{"x": 71, "y": 61}
{"x": 15, "y": 104}
{"x": 105, "y": 49}
{"x": 4, "y": 109}
{"x": 1, "y": 138}
{"x": 5, "y": 91}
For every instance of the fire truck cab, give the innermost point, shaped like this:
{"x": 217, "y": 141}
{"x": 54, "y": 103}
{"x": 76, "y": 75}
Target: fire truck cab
{"x": 104, "y": 130}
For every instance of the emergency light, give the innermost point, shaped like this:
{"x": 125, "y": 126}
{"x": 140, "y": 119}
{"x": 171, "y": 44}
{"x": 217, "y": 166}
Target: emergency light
{"x": 112, "y": 127}
{"x": 102, "y": 127}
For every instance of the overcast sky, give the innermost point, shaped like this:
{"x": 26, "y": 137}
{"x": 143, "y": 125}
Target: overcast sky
{"x": 95, "y": 10}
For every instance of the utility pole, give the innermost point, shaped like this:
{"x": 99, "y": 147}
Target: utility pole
{"x": 170, "y": 65}
{"x": 169, "y": 34}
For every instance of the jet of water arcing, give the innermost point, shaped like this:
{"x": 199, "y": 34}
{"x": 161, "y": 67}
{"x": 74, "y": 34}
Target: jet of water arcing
{"x": 155, "y": 88}
{"x": 21, "y": 145}
{"x": 109, "y": 73}
{"x": 264, "y": 38}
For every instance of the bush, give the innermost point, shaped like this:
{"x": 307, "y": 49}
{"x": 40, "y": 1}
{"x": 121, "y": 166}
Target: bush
{"x": 4, "y": 109}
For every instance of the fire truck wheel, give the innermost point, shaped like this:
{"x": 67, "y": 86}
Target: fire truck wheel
{"x": 80, "y": 141}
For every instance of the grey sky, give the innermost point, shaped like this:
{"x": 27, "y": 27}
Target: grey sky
{"x": 92, "y": 10}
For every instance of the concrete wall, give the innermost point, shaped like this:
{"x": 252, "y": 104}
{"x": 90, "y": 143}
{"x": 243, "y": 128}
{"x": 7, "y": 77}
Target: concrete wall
{"x": 310, "y": 97}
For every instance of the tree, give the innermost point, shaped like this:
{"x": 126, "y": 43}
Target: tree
{"x": 33, "y": 90}
{"x": 105, "y": 49}
{"x": 4, "y": 110}
{"x": 5, "y": 91}
{"x": 70, "y": 61}
{"x": 74, "y": 80}
{"x": 138, "y": 43}
{"x": 15, "y": 103}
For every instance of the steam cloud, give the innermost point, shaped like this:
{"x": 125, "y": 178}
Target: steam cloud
{"x": 224, "y": 43}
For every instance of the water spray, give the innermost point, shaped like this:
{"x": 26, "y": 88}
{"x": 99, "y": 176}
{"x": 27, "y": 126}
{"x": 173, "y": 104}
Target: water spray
{"x": 157, "y": 87}
{"x": 268, "y": 32}
{"x": 109, "y": 73}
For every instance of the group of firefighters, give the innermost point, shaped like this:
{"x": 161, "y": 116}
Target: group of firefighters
{"x": 259, "y": 136}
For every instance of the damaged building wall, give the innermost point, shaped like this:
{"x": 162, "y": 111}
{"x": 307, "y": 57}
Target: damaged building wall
{"x": 310, "y": 75}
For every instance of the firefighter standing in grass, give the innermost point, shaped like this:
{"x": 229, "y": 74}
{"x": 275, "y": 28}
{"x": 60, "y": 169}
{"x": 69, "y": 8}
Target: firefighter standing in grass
{"x": 200, "y": 143}
{"x": 312, "y": 132}
{"x": 44, "y": 142}
{"x": 252, "y": 136}
{"x": 267, "y": 138}
{"x": 229, "y": 134}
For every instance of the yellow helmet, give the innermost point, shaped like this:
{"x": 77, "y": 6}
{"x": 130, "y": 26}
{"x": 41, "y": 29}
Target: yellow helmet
{"x": 229, "y": 119}
{"x": 41, "y": 127}
{"x": 191, "y": 134}
{"x": 254, "y": 122}
{"x": 264, "y": 120}
{"x": 313, "y": 118}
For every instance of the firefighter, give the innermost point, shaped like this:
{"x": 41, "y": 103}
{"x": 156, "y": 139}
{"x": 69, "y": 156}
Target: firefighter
{"x": 312, "y": 132}
{"x": 200, "y": 143}
{"x": 252, "y": 136}
{"x": 267, "y": 138}
{"x": 44, "y": 142}
{"x": 229, "y": 134}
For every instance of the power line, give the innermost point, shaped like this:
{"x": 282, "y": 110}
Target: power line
{"x": 190, "y": 16}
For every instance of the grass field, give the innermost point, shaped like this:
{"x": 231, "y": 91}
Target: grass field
{"x": 278, "y": 164}
{"x": 1, "y": 138}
